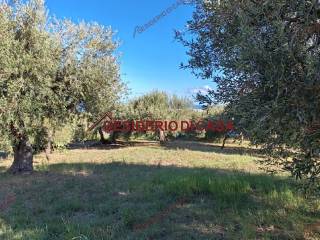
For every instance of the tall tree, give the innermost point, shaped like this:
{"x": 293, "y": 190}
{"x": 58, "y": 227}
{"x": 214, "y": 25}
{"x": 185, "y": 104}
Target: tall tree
{"x": 264, "y": 58}
{"x": 50, "y": 70}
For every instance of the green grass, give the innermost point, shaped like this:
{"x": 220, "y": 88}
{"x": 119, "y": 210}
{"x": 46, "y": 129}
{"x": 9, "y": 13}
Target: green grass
{"x": 185, "y": 190}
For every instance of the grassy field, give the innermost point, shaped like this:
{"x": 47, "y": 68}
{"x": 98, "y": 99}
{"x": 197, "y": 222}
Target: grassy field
{"x": 185, "y": 190}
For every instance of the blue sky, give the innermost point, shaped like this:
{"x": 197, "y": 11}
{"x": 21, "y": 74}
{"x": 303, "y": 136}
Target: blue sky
{"x": 150, "y": 60}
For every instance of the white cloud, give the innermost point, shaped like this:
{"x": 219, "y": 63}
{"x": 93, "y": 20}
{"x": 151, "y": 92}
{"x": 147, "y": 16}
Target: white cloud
{"x": 202, "y": 90}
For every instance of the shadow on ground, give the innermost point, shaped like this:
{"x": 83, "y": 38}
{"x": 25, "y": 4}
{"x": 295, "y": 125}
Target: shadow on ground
{"x": 119, "y": 144}
{"x": 214, "y": 148}
{"x": 108, "y": 201}
{"x": 3, "y": 155}
{"x": 173, "y": 145}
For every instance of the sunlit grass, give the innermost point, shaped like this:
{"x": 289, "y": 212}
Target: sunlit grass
{"x": 185, "y": 190}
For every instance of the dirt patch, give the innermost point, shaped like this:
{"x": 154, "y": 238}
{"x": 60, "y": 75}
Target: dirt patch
{"x": 160, "y": 216}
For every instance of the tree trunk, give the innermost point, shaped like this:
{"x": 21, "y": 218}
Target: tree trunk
{"x": 48, "y": 151}
{"x": 49, "y": 145}
{"x": 224, "y": 141}
{"x": 162, "y": 136}
{"x": 102, "y": 139}
{"x": 113, "y": 137}
{"x": 241, "y": 138}
{"x": 23, "y": 157}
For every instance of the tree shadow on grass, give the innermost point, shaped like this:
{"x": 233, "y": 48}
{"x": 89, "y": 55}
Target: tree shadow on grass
{"x": 173, "y": 145}
{"x": 119, "y": 144}
{"x": 207, "y": 147}
{"x": 108, "y": 201}
{"x": 3, "y": 155}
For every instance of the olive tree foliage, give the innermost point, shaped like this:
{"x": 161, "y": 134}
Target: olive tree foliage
{"x": 99, "y": 79}
{"x": 50, "y": 71}
{"x": 264, "y": 58}
{"x": 159, "y": 106}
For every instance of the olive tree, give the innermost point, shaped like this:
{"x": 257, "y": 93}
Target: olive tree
{"x": 264, "y": 57}
{"x": 50, "y": 71}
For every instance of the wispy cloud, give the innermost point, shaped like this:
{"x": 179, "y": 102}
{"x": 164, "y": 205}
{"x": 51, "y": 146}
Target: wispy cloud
{"x": 203, "y": 90}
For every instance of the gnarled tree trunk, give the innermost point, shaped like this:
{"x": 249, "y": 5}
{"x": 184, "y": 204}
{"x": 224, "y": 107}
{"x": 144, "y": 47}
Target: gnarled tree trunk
{"x": 102, "y": 139}
{"x": 23, "y": 157}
